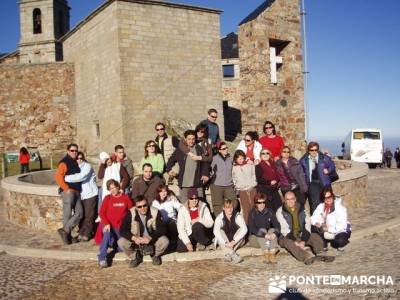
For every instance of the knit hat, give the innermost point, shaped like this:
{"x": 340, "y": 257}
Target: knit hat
{"x": 104, "y": 155}
{"x": 192, "y": 192}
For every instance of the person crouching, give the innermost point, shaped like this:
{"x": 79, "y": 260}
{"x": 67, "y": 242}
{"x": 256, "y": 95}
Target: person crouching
{"x": 230, "y": 231}
{"x": 143, "y": 232}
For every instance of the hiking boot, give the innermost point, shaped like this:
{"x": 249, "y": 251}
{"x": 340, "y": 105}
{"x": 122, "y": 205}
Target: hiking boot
{"x": 75, "y": 240}
{"x": 200, "y": 247}
{"x": 267, "y": 255}
{"x": 272, "y": 257}
{"x": 83, "y": 238}
{"x": 156, "y": 260}
{"x": 309, "y": 261}
{"x": 103, "y": 264}
{"x": 325, "y": 258}
{"x": 64, "y": 236}
{"x": 236, "y": 258}
{"x": 136, "y": 261}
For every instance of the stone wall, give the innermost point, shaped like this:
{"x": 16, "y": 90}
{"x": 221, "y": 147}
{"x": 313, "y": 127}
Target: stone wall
{"x": 138, "y": 63}
{"x": 93, "y": 48}
{"x": 35, "y": 106}
{"x": 170, "y": 67}
{"x": 281, "y": 103}
{"x": 353, "y": 192}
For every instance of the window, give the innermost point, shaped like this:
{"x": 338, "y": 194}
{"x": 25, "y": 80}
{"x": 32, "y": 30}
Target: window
{"x": 229, "y": 71}
{"x": 37, "y": 21}
{"x": 366, "y": 135}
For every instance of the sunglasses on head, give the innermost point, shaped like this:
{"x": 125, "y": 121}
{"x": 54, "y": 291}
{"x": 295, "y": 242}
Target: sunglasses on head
{"x": 142, "y": 206}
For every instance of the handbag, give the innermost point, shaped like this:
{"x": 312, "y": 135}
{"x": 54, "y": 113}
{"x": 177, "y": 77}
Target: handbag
{"x": 333, "y": 176}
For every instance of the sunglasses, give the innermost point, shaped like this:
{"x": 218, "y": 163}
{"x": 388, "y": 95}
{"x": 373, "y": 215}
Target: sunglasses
{"x": 214, "y": 117}
{"x": 193, "y": 198}
{"x": 260, "y": 202}
{"x": 225, "y": 148}
{"x": 268, "y": 127}
{"x": 313, "y": 150}
{"x": 329, "y": 197}
{"x": 151, "y": 145}
{"x": 285, "y": 151}
{"x": 79, "y": 158}
{"x": 141, "y": 206}
{"x": 159, "y": 129}
{"x": 73, "y": 150}
{"x": 248, "y": 140}
{"x": 265, "y": 153}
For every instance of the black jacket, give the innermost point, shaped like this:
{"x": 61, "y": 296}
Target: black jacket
{"x": 263, "y": 219}
{"x": 180, "y": 157}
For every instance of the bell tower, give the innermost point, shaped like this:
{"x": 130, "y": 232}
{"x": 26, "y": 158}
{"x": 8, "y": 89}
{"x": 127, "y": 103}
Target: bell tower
{"x": 42, "y": 23}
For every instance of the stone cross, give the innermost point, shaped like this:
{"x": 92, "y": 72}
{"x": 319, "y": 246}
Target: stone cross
{"x": 274, "y": 61}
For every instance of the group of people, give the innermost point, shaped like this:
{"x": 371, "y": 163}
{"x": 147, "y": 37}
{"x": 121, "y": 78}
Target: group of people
{"x": 388, "y": 156}
{"x": 258, "y": 197}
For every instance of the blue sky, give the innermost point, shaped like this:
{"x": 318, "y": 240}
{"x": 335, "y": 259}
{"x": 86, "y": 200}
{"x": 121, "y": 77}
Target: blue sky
{"x": 353, "y": 53}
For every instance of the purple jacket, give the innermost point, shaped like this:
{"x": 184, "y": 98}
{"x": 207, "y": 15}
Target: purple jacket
{"x": 296, "y": 170}
{"x": 324, "y": 161}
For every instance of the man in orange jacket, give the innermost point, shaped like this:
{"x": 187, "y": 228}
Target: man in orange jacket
{"x": 70, "y": 193}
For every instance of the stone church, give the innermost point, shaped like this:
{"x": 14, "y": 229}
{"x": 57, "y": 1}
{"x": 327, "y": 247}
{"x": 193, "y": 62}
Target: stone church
{"x": 131, "y": 63}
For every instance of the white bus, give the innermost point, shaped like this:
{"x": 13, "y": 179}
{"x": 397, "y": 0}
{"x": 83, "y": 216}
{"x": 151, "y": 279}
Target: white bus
{"x": 364, "y": 145}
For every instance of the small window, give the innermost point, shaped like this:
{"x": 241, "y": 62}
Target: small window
{"x": 229, "y": 71}
{"x": 366, "y": 135}
{"x": 37, "y": 21}
{"x": 97, "y": 128}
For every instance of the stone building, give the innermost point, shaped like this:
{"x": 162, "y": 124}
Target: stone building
{"x": 268, "y": 80}
{"x": 131, "y": 63}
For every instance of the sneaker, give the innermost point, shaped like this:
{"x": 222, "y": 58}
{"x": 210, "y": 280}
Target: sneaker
{"x": 75, "y": 240}
{"x": 236, "y": 258}
{"x": 325, "y": 258}
{"x": 156, "y": 260}
{"x": 97, "y": 220}
{"x": 340, "y": 249}
{"x": 103, "y": 264}
{"x": 309, "y": 260}
{"x": 64, "y": 236}
{"x": 227, "y": 257}
{"x": 200, "y": 247}
{"x": 83, "y": 238}
{"x": 136, "y": 261}
{"x": 325, "y": 249}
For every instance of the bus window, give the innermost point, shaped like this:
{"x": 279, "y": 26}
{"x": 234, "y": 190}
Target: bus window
{"x": 366, "y": 135}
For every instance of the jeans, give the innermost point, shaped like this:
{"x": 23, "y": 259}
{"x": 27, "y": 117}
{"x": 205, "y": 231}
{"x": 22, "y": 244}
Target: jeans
{"x": 71, "y": 202}
{"x": 110, "y": 239}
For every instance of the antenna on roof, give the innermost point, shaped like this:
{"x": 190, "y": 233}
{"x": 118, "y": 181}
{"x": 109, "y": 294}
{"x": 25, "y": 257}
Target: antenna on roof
{"x": 305, "y": 70}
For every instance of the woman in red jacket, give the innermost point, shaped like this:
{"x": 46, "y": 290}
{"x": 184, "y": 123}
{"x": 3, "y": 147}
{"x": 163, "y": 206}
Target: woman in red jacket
{"x": 112, "y": 212}
{"x": 24, "y": 158}
{"x": 268, "y": 180}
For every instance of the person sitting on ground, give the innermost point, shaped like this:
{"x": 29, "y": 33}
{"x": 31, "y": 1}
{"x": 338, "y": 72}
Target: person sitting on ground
{"x": 112, "y": 212}
{"x": 221, "y": 179}
{"x": 143, "y": 232}
{"x": 329, "y": 220}
{"x": 192, "y": 172}
{"x": 194, "y": 224}
{"x": 251, "y": 147}
{"x": 264, "y": 228}
{"x": 244, "y": 179}
{"x": 146, "y": 184}
{"x": 168, "y": 205}
{"x": 89, "y": 193}
{"x": 296, "y": 232}
{"x": 153, "y": 156}
{"x": 230, "y": 231}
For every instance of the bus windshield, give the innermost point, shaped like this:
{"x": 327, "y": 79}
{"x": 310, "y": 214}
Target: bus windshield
{"x": 366, "y": 135}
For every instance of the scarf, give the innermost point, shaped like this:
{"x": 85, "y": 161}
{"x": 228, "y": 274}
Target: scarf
{"x": 295, "y": 221}
{"x": 250, "y": 152}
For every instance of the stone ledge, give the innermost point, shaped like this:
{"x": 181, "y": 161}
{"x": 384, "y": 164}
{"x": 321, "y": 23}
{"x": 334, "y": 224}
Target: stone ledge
{"x": 357, "y": 170}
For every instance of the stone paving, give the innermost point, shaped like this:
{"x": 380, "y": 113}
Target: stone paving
{"x": 378, "y": 254}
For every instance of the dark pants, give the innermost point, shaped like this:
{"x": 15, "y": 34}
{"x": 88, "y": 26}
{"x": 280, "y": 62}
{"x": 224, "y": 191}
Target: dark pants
{"x": 110, "y": 239}
{"x": 274, "y": 200}
{"x": 200, "y": 234}
{"x": 300, "y": 197}
{"x": 219, "y": 194}
{"x": 24, "y": 168}
{"x": 172, "y": 232}
{"x": 86, "y": 226}
{"x": 314, "y": 195}
{"x": 341, "y": 239}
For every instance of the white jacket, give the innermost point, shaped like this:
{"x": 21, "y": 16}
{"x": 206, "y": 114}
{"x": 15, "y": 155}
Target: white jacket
{"x": 240, "y": 233}
{"x": 256, "y": 150}
{"x": 244, "y": 177}
{"x": 169, "y": 208}
{"x": 336, "y": 220}
{"x": 88, "y": 179}
{"x": 184, "y": 223}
